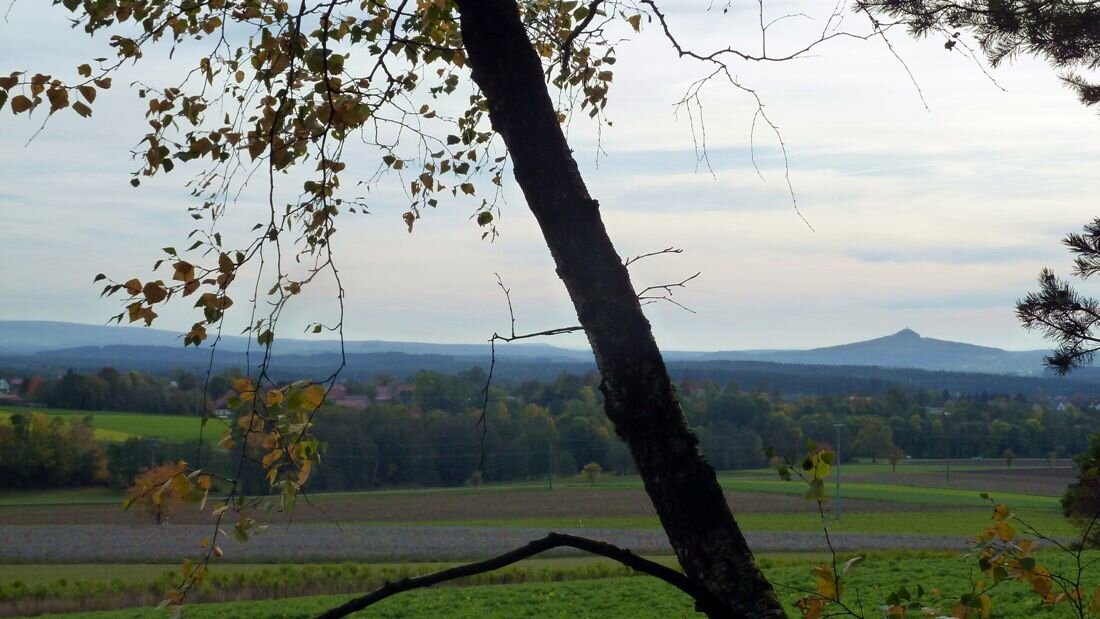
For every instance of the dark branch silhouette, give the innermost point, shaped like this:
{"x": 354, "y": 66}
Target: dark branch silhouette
{"x": 704, "y": 601}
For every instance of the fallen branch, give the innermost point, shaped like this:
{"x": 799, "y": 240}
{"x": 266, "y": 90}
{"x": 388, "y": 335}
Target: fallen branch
{"x": 704, "y": 601}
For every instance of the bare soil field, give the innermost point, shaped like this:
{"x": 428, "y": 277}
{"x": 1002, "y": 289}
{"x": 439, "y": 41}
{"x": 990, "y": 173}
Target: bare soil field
{"x": 316, "y": 542}
{"x": 1040, "y": 481}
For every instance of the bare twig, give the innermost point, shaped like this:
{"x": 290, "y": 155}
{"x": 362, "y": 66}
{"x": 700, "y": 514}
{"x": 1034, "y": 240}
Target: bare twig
{"x": 667, "y": 250}
{"x": 663, "y": 292}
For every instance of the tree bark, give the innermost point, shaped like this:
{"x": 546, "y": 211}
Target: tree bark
{"x": 639, "y": 397}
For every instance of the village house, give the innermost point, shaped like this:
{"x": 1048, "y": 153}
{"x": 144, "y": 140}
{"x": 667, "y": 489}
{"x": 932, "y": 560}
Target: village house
{"x": 390, "y": 393}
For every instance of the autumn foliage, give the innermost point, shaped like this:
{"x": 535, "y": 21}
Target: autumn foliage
{"x": 162, "y": 490}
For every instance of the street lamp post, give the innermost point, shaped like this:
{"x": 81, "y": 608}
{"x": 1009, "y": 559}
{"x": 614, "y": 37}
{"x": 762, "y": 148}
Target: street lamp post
{"x": 836, "y": 515}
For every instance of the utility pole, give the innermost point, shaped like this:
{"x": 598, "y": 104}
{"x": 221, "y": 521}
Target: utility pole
{"x": 836, "y": 515}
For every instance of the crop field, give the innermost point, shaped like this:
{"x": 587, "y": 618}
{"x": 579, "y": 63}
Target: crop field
{"x": 47, "y": 536}
{"x": 114, "y": 426}
{"x": 595, "y": 588}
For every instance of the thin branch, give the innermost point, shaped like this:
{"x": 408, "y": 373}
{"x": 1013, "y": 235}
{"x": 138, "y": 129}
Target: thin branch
{"x": 567, "y": 44}
{"x": 483, "y": 419}
{"x": 704, "y": 600}
{"x": 666, "y": 295}
{"x": 667, "y": 250}
{"x": 881, "y": 33}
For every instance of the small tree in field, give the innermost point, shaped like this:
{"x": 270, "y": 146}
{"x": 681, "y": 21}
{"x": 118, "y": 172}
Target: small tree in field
{"x": 895, "y": 456}
{"x": 475, "y": 479}
{"x": 163, "y": 490}
{"x": 157, "y": 490}
{"x": 1009, "y": 456}
{"x": 591, "y": 472}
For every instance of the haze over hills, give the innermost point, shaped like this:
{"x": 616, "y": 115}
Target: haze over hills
{"x": 904, "y": 349}
{"x": 64, "y": 341}
{"x": 904, "y": 359}
{"x": 24, "y": 337}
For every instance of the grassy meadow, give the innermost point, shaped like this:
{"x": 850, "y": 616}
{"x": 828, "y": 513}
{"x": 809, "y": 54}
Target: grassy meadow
{"x": 113, "y": 426}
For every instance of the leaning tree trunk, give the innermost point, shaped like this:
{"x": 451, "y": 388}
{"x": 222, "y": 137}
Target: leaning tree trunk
{"x": 638, "y": 393}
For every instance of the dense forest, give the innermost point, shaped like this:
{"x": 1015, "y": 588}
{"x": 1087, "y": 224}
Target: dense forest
{"x": 430, "y": 429}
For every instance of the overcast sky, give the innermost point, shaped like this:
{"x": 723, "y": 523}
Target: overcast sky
{"x": 935, "y": 219}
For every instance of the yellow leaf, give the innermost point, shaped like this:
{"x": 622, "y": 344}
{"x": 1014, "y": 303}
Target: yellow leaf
{"x": 225, "y": 263}
{"x": 303, "y": 473}
{"x": 243, "y": 385}
{"x": 181, "y": 485}
{"x": 274, "y": 397}
{"x": 184, "y": 272}
{"x": 1005, "y": 531}
{"x": 82, "y": 109}
{"x": 826, "y": 582}
{"x": 312, "y": 397}
{"x": 88, "y": 92}
{"x": 154, "y": 292}
{"x": 1000, "y": 512}
{"x": 271, "y": 458}
{"x": 20, "y": 104}
{"x": 635, "y": 22}
{"x": 59, "y": 98}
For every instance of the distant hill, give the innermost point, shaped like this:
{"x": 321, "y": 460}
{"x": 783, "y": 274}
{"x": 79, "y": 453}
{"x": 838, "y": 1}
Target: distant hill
{"x": 79, "y": 345}
{"x": 904, "y": 359}
{"x": 22, "y": 337}
{"x": 904, "y": 349}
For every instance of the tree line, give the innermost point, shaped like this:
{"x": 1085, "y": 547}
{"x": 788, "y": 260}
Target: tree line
{"x": 446, "y": 429}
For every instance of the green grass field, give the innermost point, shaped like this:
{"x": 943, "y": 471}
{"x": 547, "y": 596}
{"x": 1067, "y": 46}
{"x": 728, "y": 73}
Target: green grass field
{"x": 895, "y": 493}
{"x": 640, "y": 596}
{"x": 755, "y": 482}
{"x": 59, "y": 497}
{"x": 114, "y": 426}
{"x": 140, "y": 572}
